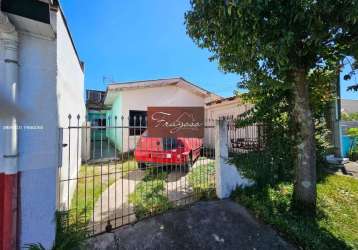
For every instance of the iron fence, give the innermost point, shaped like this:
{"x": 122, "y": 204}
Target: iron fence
{"x": 114, "y": 174}
{"x": 245, "y": 139}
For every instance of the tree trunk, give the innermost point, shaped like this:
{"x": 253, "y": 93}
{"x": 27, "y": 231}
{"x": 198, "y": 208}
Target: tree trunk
{"x": 304, "y": 194}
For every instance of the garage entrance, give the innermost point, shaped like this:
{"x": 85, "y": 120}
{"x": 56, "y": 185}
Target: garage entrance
{"x": 115, "y": 174}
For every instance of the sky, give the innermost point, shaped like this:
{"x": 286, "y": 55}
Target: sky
{"x": 130, "y": 40}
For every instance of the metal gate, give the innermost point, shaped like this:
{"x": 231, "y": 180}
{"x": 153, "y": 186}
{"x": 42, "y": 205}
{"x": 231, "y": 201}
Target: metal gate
{"x": 113, "y": 174}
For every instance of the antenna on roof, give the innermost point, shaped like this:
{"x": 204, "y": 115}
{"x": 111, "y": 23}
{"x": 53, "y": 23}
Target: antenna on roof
{"x": 107, "y": 79}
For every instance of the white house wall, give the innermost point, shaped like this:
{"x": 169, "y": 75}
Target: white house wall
{"x": 228, "y": 109}
{"x": 233, "y": 108}
{"x": 70, "y": 95}
{"x": 50, "y": 86}
{"x": 140, "y": 99}
{"x": 37, "y": 147}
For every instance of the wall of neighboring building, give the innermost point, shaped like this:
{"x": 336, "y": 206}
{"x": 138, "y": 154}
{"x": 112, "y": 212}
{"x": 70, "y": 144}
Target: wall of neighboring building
{"x": 49, "y": 86}
{"x": 225, "y": 109}
{"x": 349, "y": 106}
{"x": 96, "y": 118}
{"x": 38, "y": 148}
{"x": 229, "y": 109}
{"x": 70, "y": 95}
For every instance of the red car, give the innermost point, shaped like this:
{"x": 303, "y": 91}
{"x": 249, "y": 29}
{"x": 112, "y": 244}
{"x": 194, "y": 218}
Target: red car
{"x": 167, "y": 151}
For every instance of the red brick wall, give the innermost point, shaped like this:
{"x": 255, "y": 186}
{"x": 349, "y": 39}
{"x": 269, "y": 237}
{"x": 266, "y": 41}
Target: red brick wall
{"x": 8, "y": 211}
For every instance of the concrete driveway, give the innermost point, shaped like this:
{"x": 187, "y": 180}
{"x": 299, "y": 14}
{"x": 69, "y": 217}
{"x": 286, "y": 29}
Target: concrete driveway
{"x": 205, "y": 225}
{"x": 114, "y": 203}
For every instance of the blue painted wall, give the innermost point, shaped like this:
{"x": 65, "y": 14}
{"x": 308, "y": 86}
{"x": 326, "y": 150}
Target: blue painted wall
{"x": 115, "y": 134}
{"x": 346, "y": 144}
{"x": 92, "y": 116}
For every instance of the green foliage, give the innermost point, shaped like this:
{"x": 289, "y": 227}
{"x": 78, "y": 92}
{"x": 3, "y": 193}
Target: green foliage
{"x": 350, "y": 117}
{"x": 68, "y": 236}
{"x": 264, "y": 167}
{"x": 274, "y": 163}
{"x": 148, "y": 196}
{"x": 202, "y": 180}
{"x": 288, "y": 54}
{"x": 353, "y": 87}
{"x": 274, "y": 37}
{"x": 353, "y": 154}
{"x": 335, "y": 225}
{"x": 352, "y": 73}
{"x": 352, "y": 132}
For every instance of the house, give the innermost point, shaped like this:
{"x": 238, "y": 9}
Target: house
{"x": 128, "y": 103}
{"x": 42, "y": 82}
{"x": 96, "y": 111}
{"x": 349, "y": 106}
{"x": 228, "y": 108}
{"x": 347, "y": 142}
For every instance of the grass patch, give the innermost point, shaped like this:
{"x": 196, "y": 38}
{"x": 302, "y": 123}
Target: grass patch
{"x": 148, "y": 197}
{"x": 93, "y": 180}
{"x": 202, "y": 180}
{"x": 334, "y": 227}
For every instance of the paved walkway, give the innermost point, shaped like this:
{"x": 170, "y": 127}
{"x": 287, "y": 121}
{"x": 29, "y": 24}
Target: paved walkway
{"x": 349, "y": 168}
{"x": 102, "y": 151}
{"x": 205, "y": 225}
{"x": 114, "y": 201}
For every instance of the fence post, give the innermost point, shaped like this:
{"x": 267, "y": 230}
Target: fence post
{"x": 221, "y": 155}
{"x": 228, "y": 177}
{"x": 86, "y": 141}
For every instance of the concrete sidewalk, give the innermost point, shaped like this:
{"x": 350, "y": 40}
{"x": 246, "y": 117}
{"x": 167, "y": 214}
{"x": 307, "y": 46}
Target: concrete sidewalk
{"x": 206, "y": 225}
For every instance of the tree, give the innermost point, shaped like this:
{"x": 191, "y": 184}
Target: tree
{"x": 283, "y": 41}
{"x": 352, "y": 73}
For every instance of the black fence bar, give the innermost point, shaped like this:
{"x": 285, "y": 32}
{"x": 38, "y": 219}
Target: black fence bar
{"x": 245, "y": 139}
{"x": 114, "y": 174}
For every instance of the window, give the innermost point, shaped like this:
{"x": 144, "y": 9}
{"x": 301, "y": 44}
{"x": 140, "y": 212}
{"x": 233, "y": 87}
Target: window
{"x": 138, "y": 120}
{"x": 170, "y": 143}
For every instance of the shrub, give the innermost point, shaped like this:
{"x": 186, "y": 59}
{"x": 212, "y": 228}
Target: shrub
{"x": 352, "y": 132}
{"x": 350, "y": 117}
{"x": 353, "y": 151}
{"x": 263, "y": 168}
{"x": 202, "y": 180}
{"x": 148, "y": 197}
{"x": 353, "y": 155}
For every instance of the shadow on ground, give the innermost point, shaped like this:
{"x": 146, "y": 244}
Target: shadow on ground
{"x": 205, "y": 225}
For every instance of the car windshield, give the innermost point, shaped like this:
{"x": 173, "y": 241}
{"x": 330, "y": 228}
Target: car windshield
{"x": 170, "y": 143}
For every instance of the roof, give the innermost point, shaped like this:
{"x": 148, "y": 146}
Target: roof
{"x": 34, "y": 16}
{"x": 32, "y": 9}
{"x": 223, "y": 100}
{"x": 177, "y": 81}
